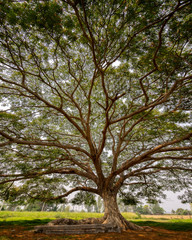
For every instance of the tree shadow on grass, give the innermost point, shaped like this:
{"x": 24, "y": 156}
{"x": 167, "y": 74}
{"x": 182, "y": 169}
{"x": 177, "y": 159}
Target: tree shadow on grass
{"x": 24, "y": 223}
{"x": 174, "y": 226}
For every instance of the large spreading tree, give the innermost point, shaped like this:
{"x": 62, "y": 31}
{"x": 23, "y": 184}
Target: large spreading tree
{"x": 95, "y": 97}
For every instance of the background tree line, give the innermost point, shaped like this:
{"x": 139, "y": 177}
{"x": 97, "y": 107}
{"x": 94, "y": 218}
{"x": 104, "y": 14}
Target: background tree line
{"x": 82, "y": 201}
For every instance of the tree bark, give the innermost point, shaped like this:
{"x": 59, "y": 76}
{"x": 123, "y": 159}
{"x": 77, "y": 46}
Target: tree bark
{"x": 2, "y": 205}
{"x": 43, "y": 206}
{"x": 112, "y": 214}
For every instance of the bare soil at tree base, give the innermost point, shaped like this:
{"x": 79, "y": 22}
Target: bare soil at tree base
{"x": 22, "y": 233}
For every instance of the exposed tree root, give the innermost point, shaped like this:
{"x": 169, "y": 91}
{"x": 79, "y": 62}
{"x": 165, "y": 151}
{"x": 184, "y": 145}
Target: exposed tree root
{"x": 119, "y": 222}
{"x": 67, "y": 221}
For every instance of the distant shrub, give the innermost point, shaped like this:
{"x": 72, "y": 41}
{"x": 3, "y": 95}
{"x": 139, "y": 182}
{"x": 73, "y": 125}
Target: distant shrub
{"x": 138, "y": 215}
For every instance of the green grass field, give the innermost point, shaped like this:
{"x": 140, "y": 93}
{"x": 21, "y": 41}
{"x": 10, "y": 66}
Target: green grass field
{"x": 31, "y": 219}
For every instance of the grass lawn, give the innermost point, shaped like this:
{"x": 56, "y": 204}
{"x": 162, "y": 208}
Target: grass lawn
{"x": 30, "y": 219}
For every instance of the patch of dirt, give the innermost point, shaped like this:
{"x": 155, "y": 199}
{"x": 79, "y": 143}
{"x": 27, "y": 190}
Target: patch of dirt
{"x": 22, "y": 233}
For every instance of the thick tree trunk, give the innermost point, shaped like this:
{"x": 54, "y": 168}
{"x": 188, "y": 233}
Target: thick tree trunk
{"x": 113, "y": 216}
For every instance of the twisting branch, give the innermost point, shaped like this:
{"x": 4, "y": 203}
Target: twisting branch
{"x": 42, "y": 143}
{"x": 86, "y": 189}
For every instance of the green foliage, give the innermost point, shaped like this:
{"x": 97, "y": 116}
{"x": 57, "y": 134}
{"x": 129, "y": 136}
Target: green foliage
{"x": 149, "y": 209}
{"x": 128, "y": 199}
{"x": 143, "y": 209}
{"x": 85, "y": 198}
{"x": 181, "y": 211}
{"x": 44, "y": 15}
{"x": 156, "y": 209}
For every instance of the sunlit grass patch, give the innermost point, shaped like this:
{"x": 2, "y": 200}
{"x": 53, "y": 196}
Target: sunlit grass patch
{"x": 21, "y": 216}
{"x": 131, "y": 215}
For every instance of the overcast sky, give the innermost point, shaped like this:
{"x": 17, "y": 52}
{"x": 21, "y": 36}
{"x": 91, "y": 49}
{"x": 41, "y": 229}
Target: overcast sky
{"x": 172, "y": 202}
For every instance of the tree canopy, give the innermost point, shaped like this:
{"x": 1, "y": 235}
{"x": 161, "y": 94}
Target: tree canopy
{"x": 97, "y": 98}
